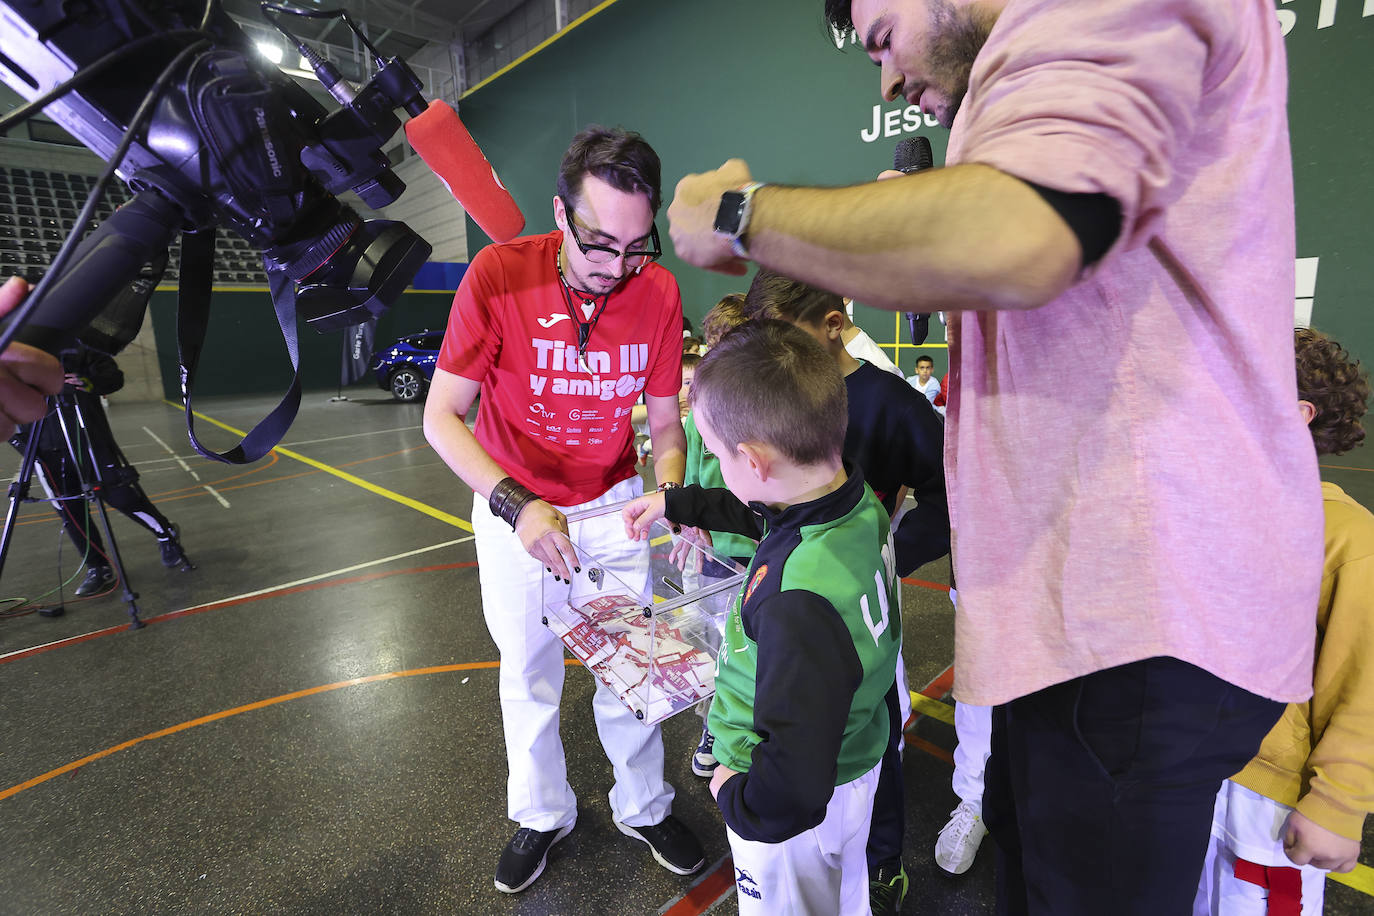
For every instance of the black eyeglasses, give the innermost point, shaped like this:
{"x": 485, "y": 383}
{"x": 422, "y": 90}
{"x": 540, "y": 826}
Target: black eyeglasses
{"x": 600, "y": 254}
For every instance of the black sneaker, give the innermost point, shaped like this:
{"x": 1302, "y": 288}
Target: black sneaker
{"x": 172, "y": 552}
{"x": 887, "y": 888}
{"x": 704, "y": 760}
{"x": 524, "y": 858}
{"x": 672, "y": 844}
{"x": 98, "y": 579}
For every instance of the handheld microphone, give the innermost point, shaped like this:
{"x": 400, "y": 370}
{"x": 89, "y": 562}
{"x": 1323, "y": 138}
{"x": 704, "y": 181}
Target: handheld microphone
{"x": 913, "y": 155}
{"x": 446, "y": 146}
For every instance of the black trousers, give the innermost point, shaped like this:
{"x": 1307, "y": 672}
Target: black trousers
{"x": 888, "y": 825}
{"x": 1099, "y": 791}
{"x": 121, "y": 491}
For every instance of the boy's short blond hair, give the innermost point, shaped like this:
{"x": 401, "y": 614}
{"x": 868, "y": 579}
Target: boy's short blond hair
{"x": 771, "y": 382}
{"x": 724, "y": 317}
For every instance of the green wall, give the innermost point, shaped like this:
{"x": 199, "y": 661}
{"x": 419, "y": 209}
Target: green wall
{"x": 763, "y": 81}
{"x": 244, "y": 352}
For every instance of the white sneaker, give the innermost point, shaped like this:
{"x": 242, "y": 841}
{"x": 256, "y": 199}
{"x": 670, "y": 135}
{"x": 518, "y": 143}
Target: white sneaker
{"x": 960, "y": 838}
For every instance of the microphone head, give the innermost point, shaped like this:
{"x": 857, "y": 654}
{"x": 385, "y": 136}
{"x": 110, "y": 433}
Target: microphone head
{"x": 446, "y": 146}
{"x": 913, "y": 155}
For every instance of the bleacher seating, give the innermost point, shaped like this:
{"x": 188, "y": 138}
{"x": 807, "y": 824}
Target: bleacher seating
{"x": 39, "y": 208}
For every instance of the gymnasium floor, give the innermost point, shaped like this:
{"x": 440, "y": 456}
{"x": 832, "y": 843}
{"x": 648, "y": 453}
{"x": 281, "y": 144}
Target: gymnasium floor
{"x": 309, "y": 722}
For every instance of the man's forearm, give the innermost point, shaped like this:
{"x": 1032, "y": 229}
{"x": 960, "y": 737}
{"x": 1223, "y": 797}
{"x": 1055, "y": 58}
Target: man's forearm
{"x": 670, "y": 452}
{"x": 965, "y": 237}
{"x": 451, "y": 439}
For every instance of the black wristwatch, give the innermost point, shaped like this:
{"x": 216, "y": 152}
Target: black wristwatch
{"x": 732, "y": 217}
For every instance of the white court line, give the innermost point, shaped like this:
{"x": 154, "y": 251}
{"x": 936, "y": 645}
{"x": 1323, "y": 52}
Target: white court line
{"x": 331, "y": 574}
{"x": 213, "y": 492}
{"x": 168, "y": 449}
{"x": 375, "y": 432}
{"x": 272, "y": 588}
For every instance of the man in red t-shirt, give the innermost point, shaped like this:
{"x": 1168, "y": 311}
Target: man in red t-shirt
{"x": 560, "y": 334}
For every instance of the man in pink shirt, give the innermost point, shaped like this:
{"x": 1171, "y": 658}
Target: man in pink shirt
{"x": 1118, "y": 195}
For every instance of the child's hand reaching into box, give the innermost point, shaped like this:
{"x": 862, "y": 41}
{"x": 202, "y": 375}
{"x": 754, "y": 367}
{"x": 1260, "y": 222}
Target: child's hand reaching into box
{"x": 640, "y": 514}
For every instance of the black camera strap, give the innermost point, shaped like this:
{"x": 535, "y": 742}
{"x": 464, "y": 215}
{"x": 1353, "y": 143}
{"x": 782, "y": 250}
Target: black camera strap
{"x": 193, "y": 319}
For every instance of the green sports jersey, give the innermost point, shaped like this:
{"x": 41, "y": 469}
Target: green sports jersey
{"x": 810, "y": 653}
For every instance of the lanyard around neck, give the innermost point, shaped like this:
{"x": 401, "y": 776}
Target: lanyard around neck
{"x": 585, "y": 326}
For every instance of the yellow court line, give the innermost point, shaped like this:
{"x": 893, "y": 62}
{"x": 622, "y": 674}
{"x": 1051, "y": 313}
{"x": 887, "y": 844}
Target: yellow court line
{"x": 392, "y": 495}
{"x": 1361, "y": 879}
{"x": 539, "y": 47}
{"x": 933, "y": 708}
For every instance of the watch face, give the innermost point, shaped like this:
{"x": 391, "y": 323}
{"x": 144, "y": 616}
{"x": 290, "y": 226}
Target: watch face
{"x": 729, "y": 214}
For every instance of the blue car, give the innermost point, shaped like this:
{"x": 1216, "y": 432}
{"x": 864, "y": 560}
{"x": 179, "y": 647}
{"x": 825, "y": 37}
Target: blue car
{"x": 405, "y": 367}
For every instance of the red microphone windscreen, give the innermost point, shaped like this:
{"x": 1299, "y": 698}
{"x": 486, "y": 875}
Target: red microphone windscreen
{"x": 447, "y": 148}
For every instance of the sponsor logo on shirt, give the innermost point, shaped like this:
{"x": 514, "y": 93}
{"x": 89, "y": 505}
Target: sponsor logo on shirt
{"x": 552, "y": 320}
{"x": 538, "y": 408}
{"x": 746, "y": 884}
{"x": 754, "y": 582}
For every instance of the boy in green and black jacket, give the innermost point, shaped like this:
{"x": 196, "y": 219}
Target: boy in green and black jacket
{"x": 799, "y": 717}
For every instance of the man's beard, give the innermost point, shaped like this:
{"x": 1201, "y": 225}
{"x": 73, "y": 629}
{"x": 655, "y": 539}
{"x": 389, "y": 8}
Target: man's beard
{"x": 957, "y": 37}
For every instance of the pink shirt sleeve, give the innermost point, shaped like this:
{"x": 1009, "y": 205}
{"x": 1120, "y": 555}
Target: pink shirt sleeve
{"x": 1097, "y": 97}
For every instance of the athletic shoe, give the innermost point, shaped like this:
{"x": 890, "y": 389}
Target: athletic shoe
{"x": 172, "y": 552}
{"x": 672, "y": 844}
{"x": 525, "y": 856}
{"x": 887, "y": 888}
{"x": 960, "y": 838}
{"x": 98, "y": 579}
{"x": 704, "y": 761}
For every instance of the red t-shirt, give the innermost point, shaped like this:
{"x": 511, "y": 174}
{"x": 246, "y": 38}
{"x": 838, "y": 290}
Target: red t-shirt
{"x": 561, "y": 431}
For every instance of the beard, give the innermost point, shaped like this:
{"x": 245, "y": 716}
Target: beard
{"x": 957, "y": 37}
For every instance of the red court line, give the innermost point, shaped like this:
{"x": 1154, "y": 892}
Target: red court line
{"x": 942, "y": 685}
{"x": 232, "y": 602}
{"x": 706, "y": 892}
{"x": 936, "y": 586}
{"x": 933, "y": 750}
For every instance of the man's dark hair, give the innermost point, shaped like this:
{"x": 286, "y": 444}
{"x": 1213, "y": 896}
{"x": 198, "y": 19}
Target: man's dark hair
{"x": 772, "y": 295}
{"x": 619, "y": 157}
{"x": 1336, "y": 386}
{"x": 838, "y": 15}
{"x": 769, "y": 381}
{"x": 924, "y": 359}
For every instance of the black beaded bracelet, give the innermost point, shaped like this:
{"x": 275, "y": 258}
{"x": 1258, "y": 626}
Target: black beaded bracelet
{"x": 508, "y": 499}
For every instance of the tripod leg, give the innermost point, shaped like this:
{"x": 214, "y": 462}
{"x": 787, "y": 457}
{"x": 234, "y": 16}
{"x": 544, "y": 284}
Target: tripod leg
{"x": 19, "y": 490}
{"x": 93, "y": 492}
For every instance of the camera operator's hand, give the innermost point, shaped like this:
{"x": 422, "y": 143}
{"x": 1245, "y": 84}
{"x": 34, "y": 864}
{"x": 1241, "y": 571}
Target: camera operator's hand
{"x": 27, "y": 374}
{"x": 543, "y": 532}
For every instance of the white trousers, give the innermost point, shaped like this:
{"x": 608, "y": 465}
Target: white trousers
{"x": 973, "y": 731}
{"x": 821, "y": 872}
{"x": 514, "y": 585}
{"x": 1246, "y": 825}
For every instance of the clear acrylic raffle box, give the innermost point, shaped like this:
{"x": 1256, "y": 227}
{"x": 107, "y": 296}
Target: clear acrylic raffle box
{"x": 645, "y": 617}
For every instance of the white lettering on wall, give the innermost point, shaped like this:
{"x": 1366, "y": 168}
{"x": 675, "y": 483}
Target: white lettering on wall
{"x": 896, "y": 122}
{"x": 1326, "y": 13}
{"x": 1304, "y": 292}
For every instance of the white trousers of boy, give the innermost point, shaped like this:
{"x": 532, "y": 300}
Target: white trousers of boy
{"x": 973, "y": 732}
{"x": 821, "y": 872}
{"x": 514, "y": 585}
{"x": 1246, "y": 825}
